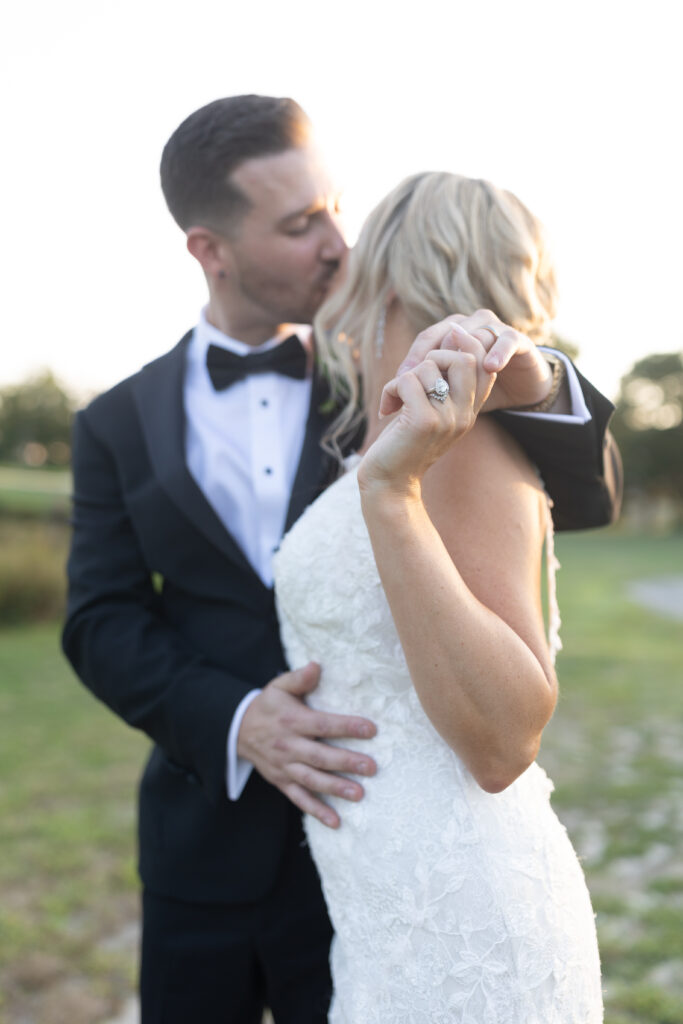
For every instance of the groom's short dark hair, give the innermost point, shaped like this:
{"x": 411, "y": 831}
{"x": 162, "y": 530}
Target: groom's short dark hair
{"x": 211, "y": 143}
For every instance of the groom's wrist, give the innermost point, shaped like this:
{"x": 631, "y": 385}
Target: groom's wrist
{"x": 556, "y": 380}
{"x": 558, "y": 398}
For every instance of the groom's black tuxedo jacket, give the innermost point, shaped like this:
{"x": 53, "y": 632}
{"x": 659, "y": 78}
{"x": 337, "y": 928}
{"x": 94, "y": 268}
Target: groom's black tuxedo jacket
{"x": 170, "y": 626}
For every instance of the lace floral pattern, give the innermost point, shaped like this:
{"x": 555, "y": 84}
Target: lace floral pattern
{"x": 450, "y": 905}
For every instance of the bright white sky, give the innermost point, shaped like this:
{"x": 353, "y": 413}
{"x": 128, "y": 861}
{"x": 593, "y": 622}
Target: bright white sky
{"x": 574, "y": 106}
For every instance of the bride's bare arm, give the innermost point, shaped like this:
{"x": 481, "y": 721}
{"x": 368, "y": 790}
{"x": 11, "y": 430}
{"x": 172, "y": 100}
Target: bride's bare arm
{"x": 458, "y": 548}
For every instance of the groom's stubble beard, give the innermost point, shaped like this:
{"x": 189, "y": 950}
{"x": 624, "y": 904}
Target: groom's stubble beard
{"x": 285, "y": 301}
{"x": 289, "y": 244}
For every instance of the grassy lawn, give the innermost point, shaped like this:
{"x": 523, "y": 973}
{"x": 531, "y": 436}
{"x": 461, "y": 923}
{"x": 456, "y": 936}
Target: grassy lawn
{"x": 33, "y": 552}
{"x": 615, "y": 752}
{"x": 68, "y": 770}
{"x": 34, "y": 490}
{"x": 67, "y": 873}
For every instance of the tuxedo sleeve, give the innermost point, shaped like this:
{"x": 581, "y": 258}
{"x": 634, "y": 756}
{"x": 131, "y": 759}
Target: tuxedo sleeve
{"x": 118, "y": 642}
{"x": 579, "y": 462}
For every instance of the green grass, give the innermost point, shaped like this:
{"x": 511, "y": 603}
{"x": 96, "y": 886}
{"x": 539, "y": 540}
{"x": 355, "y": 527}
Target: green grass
{"x": 68, "y": 772}
{"x": 32, "y": 558}
{"x": 34, "y": 491}
{"x": 67, "y": 873}
{"x": 615, "y": 752}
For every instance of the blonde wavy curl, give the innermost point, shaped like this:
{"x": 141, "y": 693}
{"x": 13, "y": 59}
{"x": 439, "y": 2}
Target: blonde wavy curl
{"x": 440, "y": 243}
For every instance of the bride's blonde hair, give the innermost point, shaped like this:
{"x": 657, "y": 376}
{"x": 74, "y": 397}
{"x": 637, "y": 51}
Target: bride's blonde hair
{"x": 440, "y": 243}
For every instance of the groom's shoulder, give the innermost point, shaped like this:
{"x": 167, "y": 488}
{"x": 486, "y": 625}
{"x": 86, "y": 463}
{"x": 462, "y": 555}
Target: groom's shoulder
{"x": 121, "y": 399}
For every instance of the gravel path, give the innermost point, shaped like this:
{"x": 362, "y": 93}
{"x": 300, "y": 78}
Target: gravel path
{"x": 663, "y": 595}
{"x": 129, "y": 1015}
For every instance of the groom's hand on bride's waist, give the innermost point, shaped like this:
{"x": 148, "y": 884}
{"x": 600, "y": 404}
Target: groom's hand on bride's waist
{"x": 285, "y": 741}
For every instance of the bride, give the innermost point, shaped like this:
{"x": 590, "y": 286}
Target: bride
{"x": 414, "y": 581}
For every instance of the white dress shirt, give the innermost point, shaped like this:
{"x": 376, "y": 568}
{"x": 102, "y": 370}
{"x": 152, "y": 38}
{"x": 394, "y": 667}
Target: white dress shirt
{"x": 243, "y": 446}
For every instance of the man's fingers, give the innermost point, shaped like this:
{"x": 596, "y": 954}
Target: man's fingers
{"x": 328, "y": 758}
{"x": 307, "y": 781}
{"x": 499, "y": 355}
{"x": 329, "y": 726}
{"x": 500, "y": 341}
{"x": 309, "y": 804}
{"x": 461, "y": 340}
{"x": 426, "y": 340}
{"x": 284, "y": 740}
{"x": 482, "y": 327}
{"x": 300, "y": 681}
{"x": 297, "y": 719}
{"x": 485, "y": 324}
{"x": 324, "y": 782}
{"x": 508, "y": 344}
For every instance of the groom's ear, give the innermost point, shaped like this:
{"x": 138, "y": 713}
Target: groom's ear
{"x": 211, "y": 251}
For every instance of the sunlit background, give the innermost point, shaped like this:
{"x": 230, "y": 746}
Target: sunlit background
{"x": 575, "y": 107}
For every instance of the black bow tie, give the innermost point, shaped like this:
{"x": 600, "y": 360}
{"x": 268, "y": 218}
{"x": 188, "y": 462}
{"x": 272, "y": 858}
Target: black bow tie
{"x": 226, "y": 368}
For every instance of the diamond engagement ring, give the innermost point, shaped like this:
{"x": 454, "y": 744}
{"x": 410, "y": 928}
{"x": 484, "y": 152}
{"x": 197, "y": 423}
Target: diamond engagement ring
{"x": 440, "y": 390}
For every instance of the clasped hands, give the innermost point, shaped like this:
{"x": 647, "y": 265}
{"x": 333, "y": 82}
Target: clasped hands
{"x": 523, "y": 376}
{"x": 488, "y": 366}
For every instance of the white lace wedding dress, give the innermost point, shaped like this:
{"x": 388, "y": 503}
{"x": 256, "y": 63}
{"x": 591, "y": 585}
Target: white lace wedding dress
{"x": 450, "y": 905}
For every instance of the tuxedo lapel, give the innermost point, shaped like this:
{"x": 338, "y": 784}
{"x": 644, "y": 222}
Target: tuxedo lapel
{"x": 161, "y": 407}
{"x": 316, "y": 467}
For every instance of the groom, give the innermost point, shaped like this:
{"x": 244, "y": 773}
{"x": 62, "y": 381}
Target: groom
{"x": 186, "y": 475}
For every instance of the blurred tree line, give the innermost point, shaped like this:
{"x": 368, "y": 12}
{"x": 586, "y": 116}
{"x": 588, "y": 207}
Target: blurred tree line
{"x": 35, "y": 431}
{"x": 35, "y": 422}
{"x": 648, "y": 426}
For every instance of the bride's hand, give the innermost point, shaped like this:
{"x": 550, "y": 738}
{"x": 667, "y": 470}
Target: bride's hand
{"x": 424, "y": 428}
{"x": 524, "y": 376}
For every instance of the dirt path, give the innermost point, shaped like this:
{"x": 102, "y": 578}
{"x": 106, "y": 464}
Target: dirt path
{"x": 129, "y": 1015}
{"x": 663, "y": 595}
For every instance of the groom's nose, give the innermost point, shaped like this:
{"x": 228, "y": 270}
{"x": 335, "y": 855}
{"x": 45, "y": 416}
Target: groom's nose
{"x": 334, "y": 245}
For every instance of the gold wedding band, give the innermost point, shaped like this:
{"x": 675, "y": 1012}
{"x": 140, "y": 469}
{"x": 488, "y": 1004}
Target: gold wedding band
{"x": 491, "y": 331}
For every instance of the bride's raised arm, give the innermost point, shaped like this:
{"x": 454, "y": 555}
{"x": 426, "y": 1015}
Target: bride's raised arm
{"x": 457, "y": 519}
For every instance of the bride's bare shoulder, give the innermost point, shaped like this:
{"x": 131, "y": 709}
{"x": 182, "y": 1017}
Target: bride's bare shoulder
{"x": 485, "y": 479}
{"x": 488, "y": 454}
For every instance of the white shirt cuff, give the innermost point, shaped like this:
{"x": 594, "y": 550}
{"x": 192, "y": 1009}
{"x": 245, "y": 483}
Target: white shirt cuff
{"x": 238, "y": 769}
{"x": 579, "y": 410}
